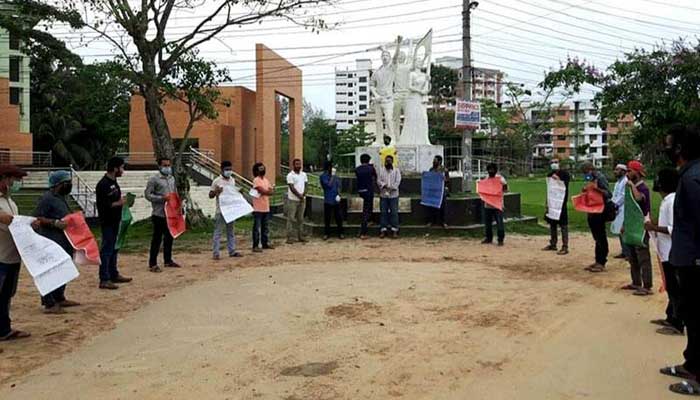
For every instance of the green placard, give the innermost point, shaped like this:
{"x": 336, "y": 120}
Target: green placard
{"x": 634, "y": 222}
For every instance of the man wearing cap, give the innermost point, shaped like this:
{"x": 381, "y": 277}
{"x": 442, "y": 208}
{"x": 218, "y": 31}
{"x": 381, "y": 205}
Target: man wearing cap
{"x": 50, "y": 211}
{"x": 10, "y": 182}
{"x": 639, "y": 257}
{"x": 619, "y": 200}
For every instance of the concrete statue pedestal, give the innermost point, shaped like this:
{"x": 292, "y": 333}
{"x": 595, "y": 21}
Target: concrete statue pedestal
{"x": 412, "y": 159}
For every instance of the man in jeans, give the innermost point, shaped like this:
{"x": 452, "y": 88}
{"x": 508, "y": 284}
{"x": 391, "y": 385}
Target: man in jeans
{"x": 389, "y": 180}
{"x": 157, "y": 190}
{"x": 596, "y": 222}
{"x": 331, "y": 200}
{"x": 491, "y": 213}
{"x": 366, "y": 177}
{"x": 109, "y": 209}
{"x": 10, "y": 182}
{"x": 683, "y": 147}
{"x": 261, "y": 209}
{"x": 225, "y": 180}
{"x": 297, "y": 181}
{"x": 639, "y": 256}
{"x": 559, "y": 172}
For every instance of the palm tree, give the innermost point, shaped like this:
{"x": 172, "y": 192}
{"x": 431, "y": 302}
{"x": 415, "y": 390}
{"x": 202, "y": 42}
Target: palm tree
{"x": 65, "y": 136}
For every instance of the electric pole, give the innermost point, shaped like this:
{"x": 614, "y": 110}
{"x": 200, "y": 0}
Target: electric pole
{"x": 577, "y": 107}
{"x": 467, "y": 7}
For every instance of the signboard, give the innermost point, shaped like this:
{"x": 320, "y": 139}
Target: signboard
{"x": 467, "y": 115}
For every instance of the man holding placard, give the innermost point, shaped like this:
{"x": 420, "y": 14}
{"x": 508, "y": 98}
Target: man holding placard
{"x": 10, "y": 182}
{"x": 557, "y": 214}
{"x": 159, "y": 187}
{"x": 50, "y": 211}
{"x": 223, "y": 182}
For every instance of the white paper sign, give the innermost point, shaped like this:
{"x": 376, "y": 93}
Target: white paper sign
{"x": 233, "y": 205}
{"x": 556, "y": 195}
{"x": 49, "y": 265}
{"x": 254, "y": 193}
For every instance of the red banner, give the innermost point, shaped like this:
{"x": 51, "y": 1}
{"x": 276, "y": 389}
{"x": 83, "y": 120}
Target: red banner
{"x": 80, "y": 237}
{"x": 491, "y": 192}
{"x": 174, "y": 215}
{"x": 590, "y": 201}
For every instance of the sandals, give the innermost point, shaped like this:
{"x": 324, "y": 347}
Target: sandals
{"x": 677, "y": 371}
{"x": 632, "y": 287}
{"x": 550, "y": 248}
{"x": 643, "y": 292}
{"x": 597, "y": 269}
{"x": 670, "y": 331}
{"x": 660, "y": 322}
{"x": 564, "y": 251}
{"x": 155, "y": 269}
{"x": 685, "y": 387}
{"x": 14, "y": 335}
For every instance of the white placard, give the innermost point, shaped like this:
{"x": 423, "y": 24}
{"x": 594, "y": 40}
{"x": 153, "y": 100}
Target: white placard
{"x": 556, "y": 196}
{"x": 47, "y": 262}
{"x": 233, "y": 205}
{"x": 254, "y": 193}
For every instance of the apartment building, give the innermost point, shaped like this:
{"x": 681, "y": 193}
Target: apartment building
{"x": 487, "y": 83}
{"x": 352, "y": 96}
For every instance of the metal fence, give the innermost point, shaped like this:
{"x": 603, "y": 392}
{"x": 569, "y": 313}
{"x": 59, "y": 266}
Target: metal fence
{"x": 26, "y": 158}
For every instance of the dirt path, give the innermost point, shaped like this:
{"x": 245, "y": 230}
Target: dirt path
{"x": 444, "y": 319}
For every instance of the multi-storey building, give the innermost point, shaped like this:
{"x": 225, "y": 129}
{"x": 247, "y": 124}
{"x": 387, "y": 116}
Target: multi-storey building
{"x": 352, "y": 96}
{"x": 486, "y": 84}
{"x": 15, "y": 138}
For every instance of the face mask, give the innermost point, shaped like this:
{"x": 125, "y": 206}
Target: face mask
{"x": 66, "y": 189}
{"x": 261, "y": 172}
{"x": 227, "y": 173}
{"x": 16, "y": 186}
{"x": 166, "y": 171}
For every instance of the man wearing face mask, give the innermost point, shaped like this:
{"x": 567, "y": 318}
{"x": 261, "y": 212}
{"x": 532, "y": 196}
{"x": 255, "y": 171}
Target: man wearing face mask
{"x": 683, "y": 148}
{"x": 50, "y": 211}
{"x": 559, "y": 172}
{"x": 388, "y": 181}
{"x": 225, "y": 180}
{"x": 10, "y": 182}
{"x": 261, "y": 209}
{"x": 110, "y": 201}
{"x": 158, "y": 187}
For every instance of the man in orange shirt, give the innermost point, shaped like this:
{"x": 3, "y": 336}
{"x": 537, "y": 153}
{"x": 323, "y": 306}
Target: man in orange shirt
{"x": 262, "y": 190}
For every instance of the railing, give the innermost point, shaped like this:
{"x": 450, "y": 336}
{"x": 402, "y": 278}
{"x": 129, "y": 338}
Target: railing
{"x": 204, "y": 164}
{"x": 26, "y": 158}
{"x": 149, "y": 158}
{"x": 83, "y": 194}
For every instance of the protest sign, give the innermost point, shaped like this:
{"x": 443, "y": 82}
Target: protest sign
{"x": 233, "y": 205}
{"x": 590, "y": 201}
{"x": 48, "y": 264}
{"x": 174, "y": 215}
{"x": 127, "y": 219}
{"x": 80, "y": 237}
{"x": 491, "y": 191}
{"x": 556, "y": 196}
{"x": 432, "y": 189}
{"x": 634, "y": 231}
{"x": 468, "y": 115}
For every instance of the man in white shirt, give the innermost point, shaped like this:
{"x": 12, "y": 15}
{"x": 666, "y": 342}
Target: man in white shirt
{"x": 297, "y": 181}
{"x": 619, "y": 199}
{"x": 388, "y": 181}
{"x": 666, "y": 184}
{"x": 223, "y": 182}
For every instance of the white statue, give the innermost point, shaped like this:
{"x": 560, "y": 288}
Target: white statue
{"x": 398, "y": 89}
{"x": 415, "y": 124}
{"x": 382, "y": 90}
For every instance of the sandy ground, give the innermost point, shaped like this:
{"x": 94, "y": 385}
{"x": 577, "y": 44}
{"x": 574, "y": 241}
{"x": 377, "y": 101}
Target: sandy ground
{"x": 414, "y": 319}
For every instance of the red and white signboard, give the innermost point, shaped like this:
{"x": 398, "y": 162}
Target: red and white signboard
{"x": 468, "y": 115}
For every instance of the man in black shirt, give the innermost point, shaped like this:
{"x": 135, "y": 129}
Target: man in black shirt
{"x": 50, "y": 211}
{"x": 683, "y": 148}
{"x": 366, "y": 180}
{"x": 109, "y": 207}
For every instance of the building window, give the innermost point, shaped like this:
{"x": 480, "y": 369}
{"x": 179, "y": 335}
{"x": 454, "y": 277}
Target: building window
{"x": 15, "y": 95}
{"x": 363, "y": 79}
{"x": 363, "y": 106}
{"x": 14, "y": 69}
{"x": 350, "y": 103}
{"x": 14, "y": 42}
{"x": 593, "y": 138}
{"x": 363, "y": 97}
{"x": 350, "y": 84}
{"x": 350, "y": 112}
{"x": 593, "y": 125}
{"x": 363, "y": 89}
{"x": 561, "y": 150}
{"x": 593, "y": 112}
{"x": 561, "y": 137}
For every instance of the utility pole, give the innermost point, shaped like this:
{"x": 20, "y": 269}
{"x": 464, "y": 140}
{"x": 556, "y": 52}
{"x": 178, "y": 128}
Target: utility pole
{"x": 577, "y": 106}
{"x": 467, "y": 7}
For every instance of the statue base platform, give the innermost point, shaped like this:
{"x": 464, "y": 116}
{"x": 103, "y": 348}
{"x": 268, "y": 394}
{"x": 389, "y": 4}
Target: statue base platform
{"x": 412, "y": 159}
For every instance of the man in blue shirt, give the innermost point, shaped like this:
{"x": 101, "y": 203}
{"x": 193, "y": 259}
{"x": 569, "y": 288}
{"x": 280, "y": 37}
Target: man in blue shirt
{"x": 683, "y": 148}
{"x": 366, "y": 177}
{"x": 331, "y": 200}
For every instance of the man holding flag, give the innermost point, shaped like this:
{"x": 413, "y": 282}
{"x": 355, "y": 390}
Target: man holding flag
{"x": 50, "y": 211}
{"x": 639, "y": 257}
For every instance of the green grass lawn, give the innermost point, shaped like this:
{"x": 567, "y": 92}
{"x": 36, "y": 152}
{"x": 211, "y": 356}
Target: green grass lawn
{"x": 533, "y": 192}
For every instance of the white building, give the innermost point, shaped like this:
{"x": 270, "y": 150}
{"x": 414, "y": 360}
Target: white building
{"x": 14, "y": 66}
{"x": 352, "y": 97}
{"x": 487, "y": 84}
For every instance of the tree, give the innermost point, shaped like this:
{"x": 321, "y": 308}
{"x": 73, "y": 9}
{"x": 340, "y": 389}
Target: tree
{"x": 151, "y": 53}
{"x": 348, "y": 140}
{"x": 320, "y": 138}
{"x": 658, "y": 88}
{"x": 443, "y": 84}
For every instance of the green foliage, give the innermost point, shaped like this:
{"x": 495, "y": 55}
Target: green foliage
{"x": 443, "y": 84}
{"x": 347, "y": 142}
{"x": 658, "y": 88}
{"x": 441, "y": 124}
{"x": 320, "y": 137}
